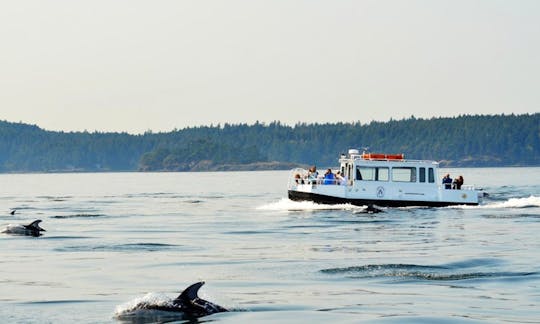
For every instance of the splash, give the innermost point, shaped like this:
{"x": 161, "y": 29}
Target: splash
{"x": 528, "y": 202}
{"x": 143, "y": 310}
{"x": 289, "y": 205}
{"x": 150, "y": 299}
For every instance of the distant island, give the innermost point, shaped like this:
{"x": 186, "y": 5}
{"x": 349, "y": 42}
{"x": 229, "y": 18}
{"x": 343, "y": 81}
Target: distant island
{"x": 464, "y": 141}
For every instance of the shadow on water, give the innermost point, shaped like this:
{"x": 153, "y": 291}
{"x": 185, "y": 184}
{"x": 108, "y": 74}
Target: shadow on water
{"x": 511, "y": 216}
{"x": 65, "y": 237}
{"x": 194, "y": 201}
{"x": 171, "y": 195}
{"x": 79, "y": 216}
{"x": 55, "y": 198}
{"x": 130, "y": 247}
{"x": 53, "y": 302}
{"x": 153, "y": 317}
{"x": 251, "y": 232}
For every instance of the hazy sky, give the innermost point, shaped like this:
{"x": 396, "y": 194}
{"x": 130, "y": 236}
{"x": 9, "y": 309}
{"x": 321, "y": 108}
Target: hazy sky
{"x": 135, "y": 65}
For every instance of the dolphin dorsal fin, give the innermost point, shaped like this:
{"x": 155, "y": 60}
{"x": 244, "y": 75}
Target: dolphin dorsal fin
{"x": 34, "y": 224}
{"x": 190, "y": 293}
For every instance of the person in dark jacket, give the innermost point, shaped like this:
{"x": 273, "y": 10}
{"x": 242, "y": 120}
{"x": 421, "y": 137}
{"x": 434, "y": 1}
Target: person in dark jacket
{"x": 447, "y": 181}
{"x": 458, "y": 182}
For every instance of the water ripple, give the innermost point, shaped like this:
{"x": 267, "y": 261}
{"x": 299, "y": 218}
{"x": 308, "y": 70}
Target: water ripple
{"x": 130, "y": 247}
{"x": 78, "y": 216}
{"x": 67, "y": 301}
{"x": 419, "y": 272}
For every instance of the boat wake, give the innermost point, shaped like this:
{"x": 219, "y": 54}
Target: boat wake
{"x": 286, "y": 204}
{"x": 531, "y": 201}
{"x": 528, "y": 202}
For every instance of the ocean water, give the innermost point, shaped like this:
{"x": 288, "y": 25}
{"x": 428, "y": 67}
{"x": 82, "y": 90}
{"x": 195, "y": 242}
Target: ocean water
{"x": 114, "y": 239}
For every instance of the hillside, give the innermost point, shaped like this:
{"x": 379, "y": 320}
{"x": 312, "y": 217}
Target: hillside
{"x": 497, "y": 140}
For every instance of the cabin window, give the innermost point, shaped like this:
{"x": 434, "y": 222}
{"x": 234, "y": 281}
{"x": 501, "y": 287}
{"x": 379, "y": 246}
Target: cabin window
{"x": 431, "y": 176}
{"x": 365, "y": 173}
{"x": 382, "y": 174}
{"x": 372, "y": 173}
{"x": 422, "y": 174}
{"x": 404, "y": 174}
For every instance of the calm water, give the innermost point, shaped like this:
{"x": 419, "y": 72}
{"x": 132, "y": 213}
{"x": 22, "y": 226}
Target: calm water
{"x": 115, "y": 238}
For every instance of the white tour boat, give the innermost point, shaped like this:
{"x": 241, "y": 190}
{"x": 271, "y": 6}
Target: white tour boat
{"x": 387, "y": 180}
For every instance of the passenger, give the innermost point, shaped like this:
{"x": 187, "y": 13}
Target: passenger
{"x": 320, "y": 179}
{"x": 313, "y": 175}
{"x": 329, "y": 177}
{"x": 298, "y": 178}
{"x": 341, "y": 178}
{"x": 458, "y": 182}
{"x": 447, "y": 181}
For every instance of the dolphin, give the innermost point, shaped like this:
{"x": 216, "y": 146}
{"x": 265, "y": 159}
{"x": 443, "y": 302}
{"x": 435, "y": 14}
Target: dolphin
{"x": 32, "y": 229}
{"x": 370, "y": 209}
{"x": 188, "y": 303}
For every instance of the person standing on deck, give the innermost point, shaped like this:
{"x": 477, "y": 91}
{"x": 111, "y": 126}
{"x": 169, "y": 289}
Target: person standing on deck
{"x": 447, "y": 181}
{"x": 312, "y": 175}
{"x": 341, "y": 178}
{"x": 458, "y": 182}
{"x": 329, "y": 177}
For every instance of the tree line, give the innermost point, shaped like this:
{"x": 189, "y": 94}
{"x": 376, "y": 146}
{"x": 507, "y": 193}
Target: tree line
{"x": 469, "y": 140}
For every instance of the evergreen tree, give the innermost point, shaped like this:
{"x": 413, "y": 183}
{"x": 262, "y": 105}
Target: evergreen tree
{"x": 493, "y": 140}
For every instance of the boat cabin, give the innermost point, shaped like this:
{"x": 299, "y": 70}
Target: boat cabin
{"x": 386, "y": 168}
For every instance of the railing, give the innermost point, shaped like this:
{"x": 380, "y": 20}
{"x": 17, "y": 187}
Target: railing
{"x": 468, "y": 187}
{"x": 300, "y": 176}
{"x": 297, "y": 176}
{"x": 463, "y": 187}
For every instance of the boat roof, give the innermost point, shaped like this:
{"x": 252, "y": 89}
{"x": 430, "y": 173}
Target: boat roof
{"x": 383, "y": 159}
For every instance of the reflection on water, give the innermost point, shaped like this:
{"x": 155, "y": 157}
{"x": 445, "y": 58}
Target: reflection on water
{"x": 112, "y": 238}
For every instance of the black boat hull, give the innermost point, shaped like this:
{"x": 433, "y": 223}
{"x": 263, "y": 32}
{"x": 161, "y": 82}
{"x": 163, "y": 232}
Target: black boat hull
{"x": 331, "y": 200}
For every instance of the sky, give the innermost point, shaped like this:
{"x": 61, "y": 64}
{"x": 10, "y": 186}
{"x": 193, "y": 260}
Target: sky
{"x": 134, "y": 66}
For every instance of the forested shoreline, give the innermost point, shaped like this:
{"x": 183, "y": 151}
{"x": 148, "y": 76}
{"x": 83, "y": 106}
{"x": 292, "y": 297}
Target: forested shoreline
{"x": 465, "y": 141}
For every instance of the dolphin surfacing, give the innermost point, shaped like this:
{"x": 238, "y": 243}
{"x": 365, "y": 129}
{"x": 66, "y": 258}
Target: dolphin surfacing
{"x": 187, "y": 305}
{"x": 190, "y": 301}
{"x": 32, "y": 229}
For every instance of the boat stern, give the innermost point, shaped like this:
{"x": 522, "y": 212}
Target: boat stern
{"x": 463, "y": 196}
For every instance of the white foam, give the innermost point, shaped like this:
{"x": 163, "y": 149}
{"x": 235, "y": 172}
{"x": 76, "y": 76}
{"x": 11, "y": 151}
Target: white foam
{"x": 531, "y": 201}
{"x": 140, "y": 302}
{"x": 289, "y": 205}
{"x": 14, "y": 229}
